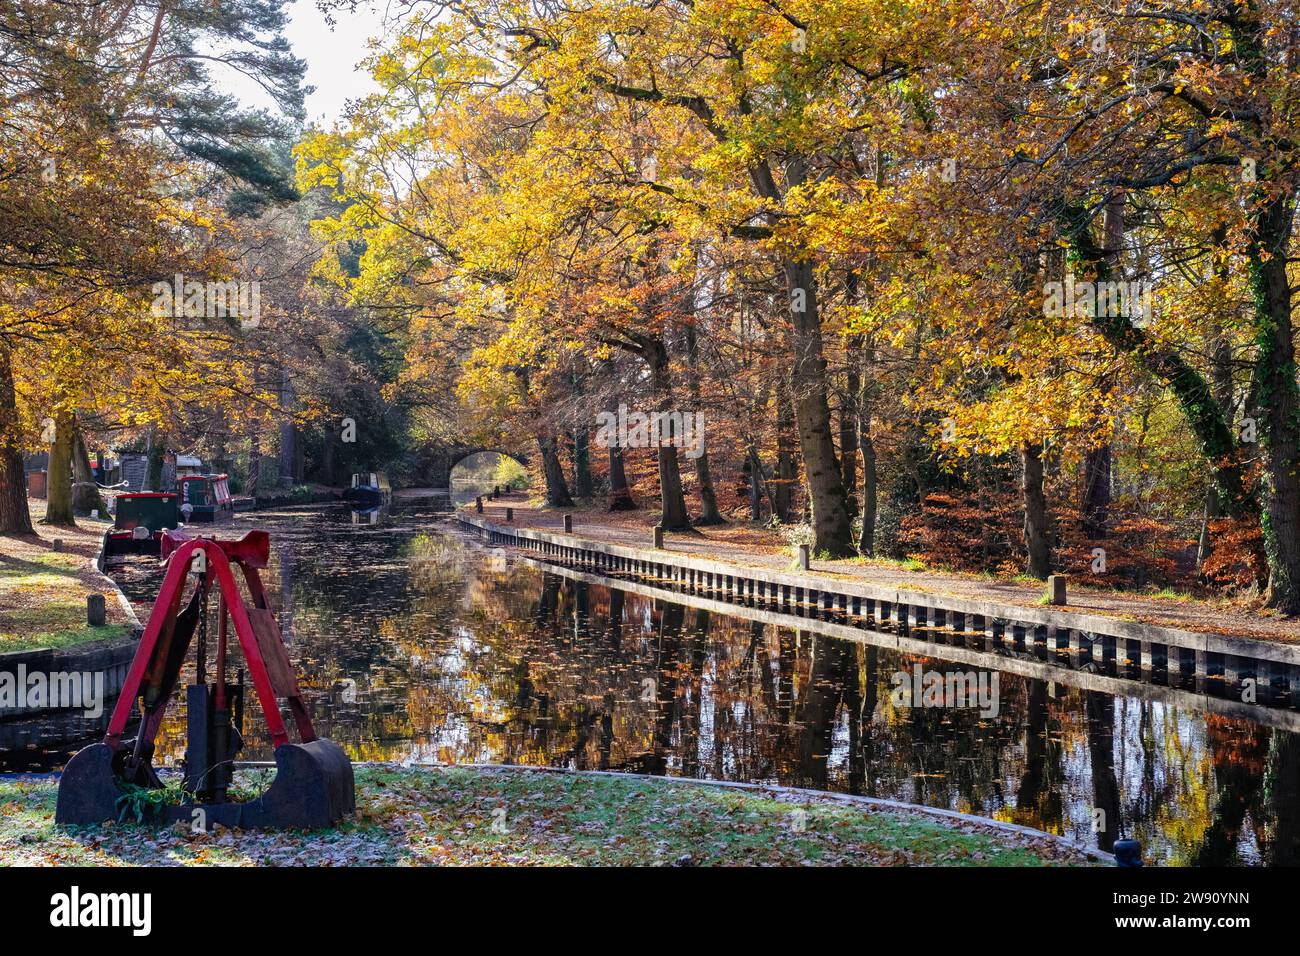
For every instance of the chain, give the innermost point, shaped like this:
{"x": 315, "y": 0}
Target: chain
{"x": 202, "y": 668}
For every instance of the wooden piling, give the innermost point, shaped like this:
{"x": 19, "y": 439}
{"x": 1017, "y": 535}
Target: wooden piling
{"x": 1056, "y": 588}
{"x": 96, "y": 610}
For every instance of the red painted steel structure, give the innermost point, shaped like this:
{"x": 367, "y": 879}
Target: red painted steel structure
{"x": 313, "y": 785}
{"x": 250, "y": 553}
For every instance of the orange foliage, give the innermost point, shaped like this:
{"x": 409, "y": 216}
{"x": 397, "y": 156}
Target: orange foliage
{"x": 966, "y": 532}
{"x": 1234, "y": 560}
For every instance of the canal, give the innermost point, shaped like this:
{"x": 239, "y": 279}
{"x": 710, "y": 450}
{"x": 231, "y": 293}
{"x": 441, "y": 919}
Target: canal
{"x": 416, "y": 642}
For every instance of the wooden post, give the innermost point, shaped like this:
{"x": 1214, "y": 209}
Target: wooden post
{"x": 568, "y": 524}
{"x": 1056, "y": 588}
{"x": 659, "y": 537}
{"x": 510, "y": 514}
{"x": 96, "y": 612}
{"x": 496, "y": 491}
{"x": 803, "y": 557}
{"x": 478, "y": 503}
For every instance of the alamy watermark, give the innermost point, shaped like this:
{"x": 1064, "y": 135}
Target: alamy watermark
{"x": 192, "y": 299}
{"x": 61, "y": 690}
{"x": 1074, "y": 299}
{"x": 633, "y": 429}
{"x": 133, "y": 911}
{"x": 921, "y": 688}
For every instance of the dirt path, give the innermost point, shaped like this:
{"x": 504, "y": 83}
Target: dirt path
{"x": 757, "y": 547}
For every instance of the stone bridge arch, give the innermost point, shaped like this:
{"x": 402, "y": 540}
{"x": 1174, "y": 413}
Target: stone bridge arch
{"x": 446, "y": 457}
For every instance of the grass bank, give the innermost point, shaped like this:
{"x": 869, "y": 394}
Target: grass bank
{"x": 473, "y": 816}
{"x": 43, "y": 592}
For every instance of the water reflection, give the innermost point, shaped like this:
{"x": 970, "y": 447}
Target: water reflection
{"x": 416, "y": 643}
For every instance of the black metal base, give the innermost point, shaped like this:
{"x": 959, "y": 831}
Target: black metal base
{"x": 313, "y": 788}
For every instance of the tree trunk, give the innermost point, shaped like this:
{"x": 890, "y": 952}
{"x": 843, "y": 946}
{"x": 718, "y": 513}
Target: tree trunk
{"x": 849, "y": 431}
{"x": 756, "y": 484}
{"x": 254, "y": 460}
{"x": 709, "y": 513}
{"x": 581, "y": 464}
{"x": 1097, "y": 463}
{"x": 832, "y": 526}
{"x": 782, "y": 484}
{"x": 157, "y": 448}
{"x": 672, "y": 514}
{"x": 58, "y": 509}
{"x": 557, "y": 491}
{"x": 672, "y": 503}
{"x": 82, "y": 470}
{"x": 85, "y": 493}
{"x": 1037, "y": 542}
{"x": 14, "y": 516}
{"x": 620, "y": 495}
{"x": 1205, "y": 543}
{"x": 870, "y": 491}
{"x": 287, "y": 430}
{"x": 1277, "y": 398}
{"x": 850, "y": 424}
{"x": 1096, "y": 492}
{"x": 870, "y": 478}
{"x": 582, "y": 482}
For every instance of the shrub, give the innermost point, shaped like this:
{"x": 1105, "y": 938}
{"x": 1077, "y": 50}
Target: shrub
{"x": 965, "y": 532}
{"x": 1233, "y": 560}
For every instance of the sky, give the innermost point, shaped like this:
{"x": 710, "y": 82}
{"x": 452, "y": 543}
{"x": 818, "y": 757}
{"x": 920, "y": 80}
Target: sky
{"x": 332, "y": 54}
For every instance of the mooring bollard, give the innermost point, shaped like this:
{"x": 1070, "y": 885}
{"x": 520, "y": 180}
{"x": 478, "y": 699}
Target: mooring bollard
{"x": 659, "y": 538}
{"x": 510, "y": 514}
{"x": 56, "y": 544}
{"x": 568, "y": 524}
{"x": 1128, "y": 853}
{"x": 96, "y": 610}
{"x": 803, "y": 557}
{"x": 1056, "y": 588}
{"x": 478, "y": 503}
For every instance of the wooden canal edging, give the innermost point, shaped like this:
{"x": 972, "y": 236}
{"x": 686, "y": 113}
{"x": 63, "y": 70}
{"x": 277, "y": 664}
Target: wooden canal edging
{"x": 49, "y": 724}
{"x": 1025, "y": 666}
{"x": 1191, "y": 668}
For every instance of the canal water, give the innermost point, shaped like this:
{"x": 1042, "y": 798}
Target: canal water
{"x": 417, "y": 642}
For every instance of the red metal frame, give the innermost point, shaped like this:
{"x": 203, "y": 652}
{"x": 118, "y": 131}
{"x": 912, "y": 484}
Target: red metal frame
{"x": 250, "y": 552}
{"x": 253, "y": 550}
